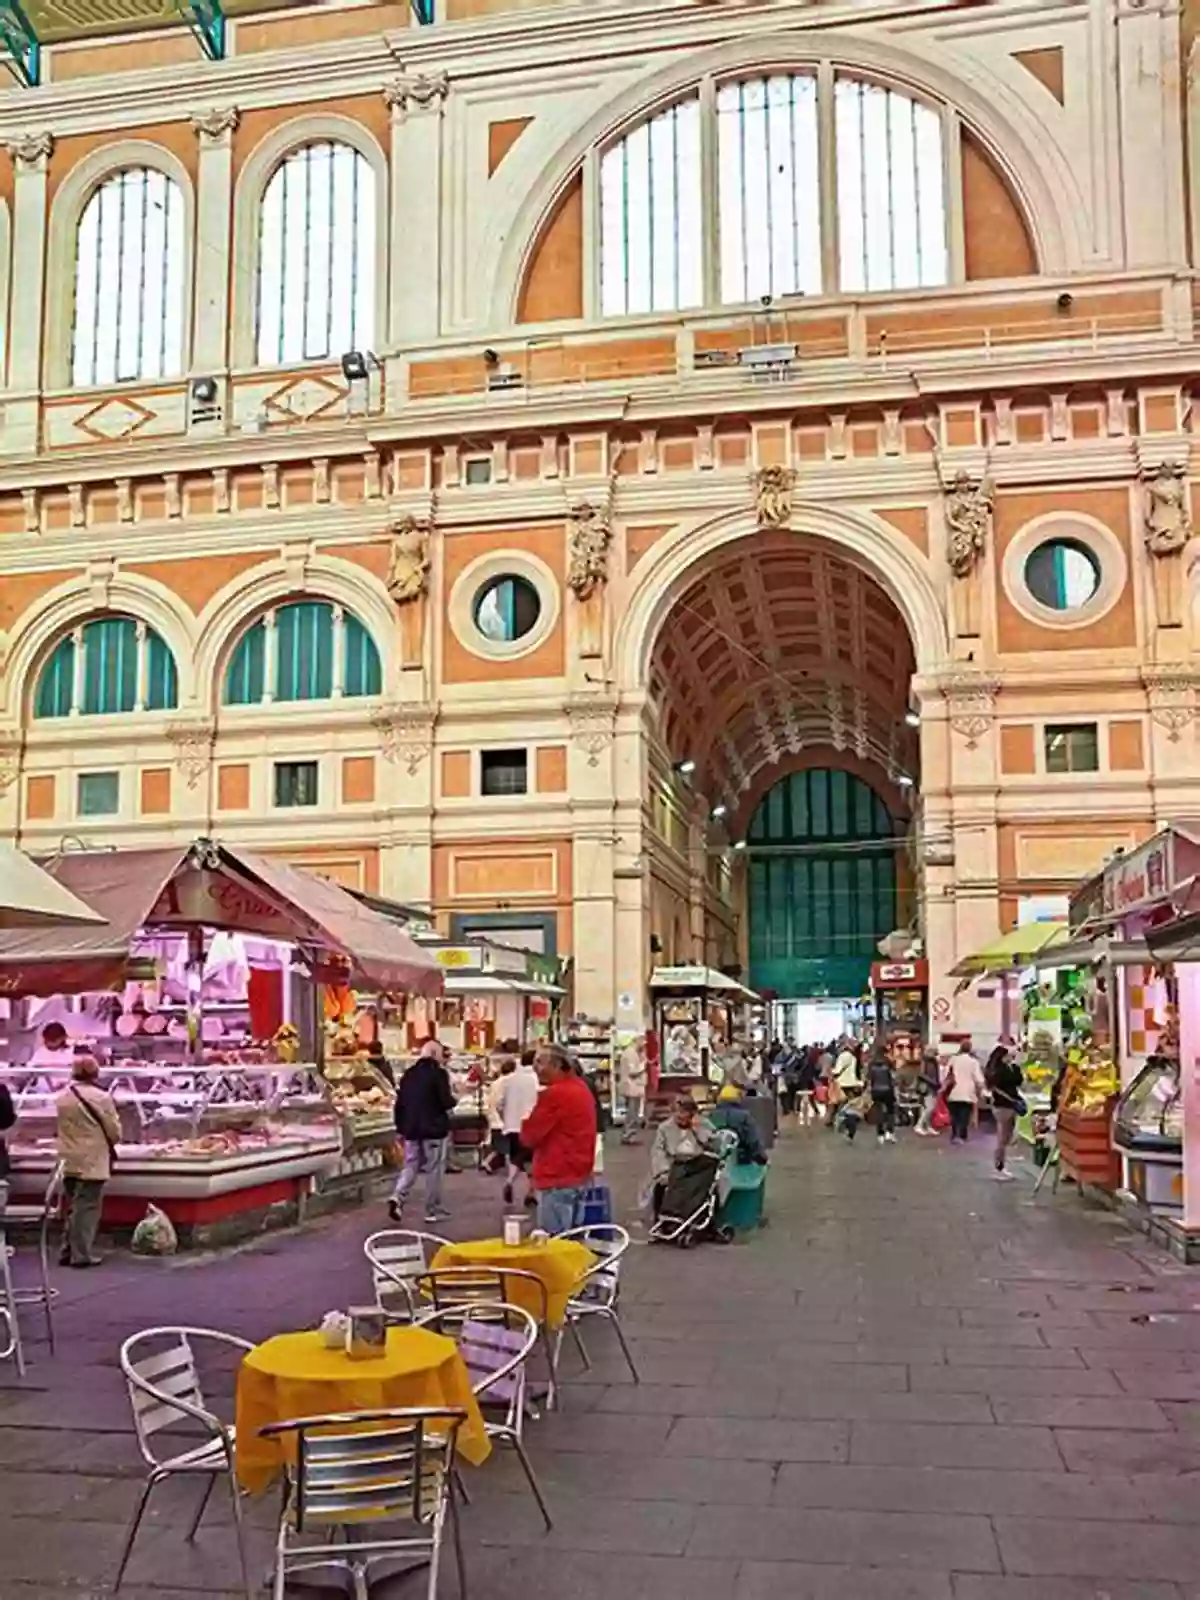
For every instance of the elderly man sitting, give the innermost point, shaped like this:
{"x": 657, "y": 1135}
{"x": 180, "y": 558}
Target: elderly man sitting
{"x": 730, "y": 1113}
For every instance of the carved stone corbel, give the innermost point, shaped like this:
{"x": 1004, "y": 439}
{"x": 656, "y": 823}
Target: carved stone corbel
{"x": 971, "y": 702}
{"x": 216, "y": 126}
{"x": 1171, "y": 694}
{"x": 31, "y": 151}
{"x": 405, "y": 734}
{"x": 192, "y": 741}
{"x": 592, "y": 720}
{"x": 967, "y": 506}
{"x": 410, "y": 562}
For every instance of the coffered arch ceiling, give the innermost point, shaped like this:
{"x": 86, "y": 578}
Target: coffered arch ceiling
{"x": 780, "y": 644}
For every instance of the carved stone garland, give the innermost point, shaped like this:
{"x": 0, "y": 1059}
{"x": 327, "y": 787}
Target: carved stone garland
{"x": 1171, "y": 692}
{"x": 593, "y": 726}
{"x": 193, "y": 745}
{"x": 773, "y": 490}
{"x": 971, "y": 699}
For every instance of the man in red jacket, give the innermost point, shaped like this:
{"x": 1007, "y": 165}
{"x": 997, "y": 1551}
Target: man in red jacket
{"x": 561, "y": 1132}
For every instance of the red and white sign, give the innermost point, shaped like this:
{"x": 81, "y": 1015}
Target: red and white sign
{"x": 900, "y": 975}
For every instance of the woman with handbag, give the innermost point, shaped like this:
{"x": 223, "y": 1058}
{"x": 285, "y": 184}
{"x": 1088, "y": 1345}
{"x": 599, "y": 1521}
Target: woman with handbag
{"x": 89, "y": 1130}
{"x": 1004, "y": 1080}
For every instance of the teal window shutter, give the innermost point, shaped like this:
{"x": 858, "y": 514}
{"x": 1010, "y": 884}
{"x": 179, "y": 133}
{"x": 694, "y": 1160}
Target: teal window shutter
{"x": 55, "y": 686}
{"x": 304, "y": 652}
{"x": 364, "y": 674}
{"x": 109, "y": 666}
{"x": 245, "y": 677}
{"x": 162, "y": 689}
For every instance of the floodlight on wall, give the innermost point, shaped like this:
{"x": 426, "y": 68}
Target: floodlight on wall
{"x": 904, "y": 780}
{"x": 719, "y": 810}
{"x": 912, "y": 719}
{"x": 739, "y": 844}
{"x": 355, "y": 368}
{"x": 686, "y": 767}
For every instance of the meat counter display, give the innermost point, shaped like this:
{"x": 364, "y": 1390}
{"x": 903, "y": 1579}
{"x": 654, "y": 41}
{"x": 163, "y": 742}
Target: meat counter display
{"x": 219, "y": 1147}
{"x": 1148, "y": 1131}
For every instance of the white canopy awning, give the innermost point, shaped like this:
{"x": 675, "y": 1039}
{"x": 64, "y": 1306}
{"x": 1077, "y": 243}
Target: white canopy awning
{"x": 31, "y": 898}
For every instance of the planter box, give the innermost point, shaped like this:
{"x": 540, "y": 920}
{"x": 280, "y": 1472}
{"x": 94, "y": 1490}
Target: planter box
{"x": 1086, "y": 1149}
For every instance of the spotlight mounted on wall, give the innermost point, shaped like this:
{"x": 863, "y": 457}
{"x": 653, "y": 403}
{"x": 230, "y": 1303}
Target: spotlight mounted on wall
{"x": 719, "y": 810}
{"x": 904, "y": 781}
{"x": 491, "y": 357}
{"x": 739, "y": 844}
{"x": 355, "y": 367}
{"x": 686, "y": 767}
{"x": 912, "y": 719}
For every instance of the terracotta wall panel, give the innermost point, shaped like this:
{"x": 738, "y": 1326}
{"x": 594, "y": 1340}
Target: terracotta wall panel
{"x": 552, "y": 769}
{"x": 553, "y": 286}
{"x": 911, "y": 521}
{"x": 501, "y": 138}
{"x": 196, "y": 582}
{"x": 70, "y": 149}
{"x": 1116, "y": 630}
{"x": 39, "y": 797}
{"x": 155, "y": 791}
{"x": 358, "y": 780}
{"x": 456, "y": 774}
{"x": 639, "y": 540}
{"x": 1125, "y": 747}
{"x": 290, "y": 33}
{"x": 233, "y": 787}
{"x": 1017, "y": 754}
{"x": 257, "y": 122}
{"x": 548, "y": 660}
{"x": 99, "y": 60}
{"x": 997, "y": 239}
{"x": 19, "y": 592}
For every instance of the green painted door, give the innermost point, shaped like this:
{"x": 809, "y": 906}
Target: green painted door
{"x": 822, "y": 884}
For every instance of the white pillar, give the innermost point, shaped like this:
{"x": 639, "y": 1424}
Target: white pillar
{"x": 339, "y": 652}
{"x": 80, "y": 667}
{"x": 214, "y": 204}
{"x": 142, "y": 690}
{"x": 416, "y": 101}
{"x": 30, "y": 158}
{"x": 270, "y": 657}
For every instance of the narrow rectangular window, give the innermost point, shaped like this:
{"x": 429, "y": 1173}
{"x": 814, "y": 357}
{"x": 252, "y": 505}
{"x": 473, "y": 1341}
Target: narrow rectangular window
{"x": 99, "y": 794}
{"x": 1071, "y": 747}
{"x": 504, "y": 772}
{"x": 295, "y": 783}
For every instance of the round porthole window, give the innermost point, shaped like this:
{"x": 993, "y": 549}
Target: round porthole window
{"x": 506, "y": 608}
{"x": 1062, "y": 574}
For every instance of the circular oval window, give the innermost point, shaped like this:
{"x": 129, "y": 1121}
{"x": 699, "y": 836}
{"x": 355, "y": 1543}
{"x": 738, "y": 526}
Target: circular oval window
{"x": 1062, "y": 574}
{"x": 506, "y": 609}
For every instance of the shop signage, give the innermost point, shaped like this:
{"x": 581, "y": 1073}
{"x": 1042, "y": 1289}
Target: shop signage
{"x": 680, "y": 978}
{"x": 457, "y": 958}
{"x": 498, "y": 959}
{"x": 900, "y": 975}
{"x": 1141, "y": 877}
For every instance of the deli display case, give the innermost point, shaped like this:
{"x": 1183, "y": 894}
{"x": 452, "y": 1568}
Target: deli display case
{"x": 1148, "y": 1132}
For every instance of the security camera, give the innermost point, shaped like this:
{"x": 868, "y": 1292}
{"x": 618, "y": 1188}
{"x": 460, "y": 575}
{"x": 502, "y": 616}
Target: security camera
{"x": 766, "y": 301}
{"x": 1065, "y": 301}
{"x": 492, "y": 357}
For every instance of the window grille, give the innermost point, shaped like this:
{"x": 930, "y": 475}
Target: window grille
{"x": 650, "y": 216}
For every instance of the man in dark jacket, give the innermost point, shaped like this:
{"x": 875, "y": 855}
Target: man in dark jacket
{"x": 424, "y": 1101}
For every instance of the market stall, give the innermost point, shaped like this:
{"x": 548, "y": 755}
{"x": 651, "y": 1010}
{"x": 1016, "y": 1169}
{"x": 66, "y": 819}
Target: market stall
{"x": 200, "y": 997}
{"x": 900, "y": 992}
{"x": 699, "y": 1015}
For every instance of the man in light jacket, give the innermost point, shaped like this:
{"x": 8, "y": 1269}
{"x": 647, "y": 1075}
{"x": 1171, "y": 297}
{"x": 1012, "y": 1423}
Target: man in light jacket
{"x": 89, "y": 1131}
{"x": 633, "y": 1088}
{"x": 515, "y": 1100}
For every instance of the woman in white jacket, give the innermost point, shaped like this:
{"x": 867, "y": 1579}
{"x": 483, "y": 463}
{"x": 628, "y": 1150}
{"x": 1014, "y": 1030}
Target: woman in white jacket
{"x": 514, "y": 1101}
{"x": 964, "y": 1086}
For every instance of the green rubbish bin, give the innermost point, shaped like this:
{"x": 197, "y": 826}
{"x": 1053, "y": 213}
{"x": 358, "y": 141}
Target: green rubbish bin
{"x": 745, "y": 1204}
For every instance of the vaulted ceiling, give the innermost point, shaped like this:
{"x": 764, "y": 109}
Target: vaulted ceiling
{"x": 778, "y": 645}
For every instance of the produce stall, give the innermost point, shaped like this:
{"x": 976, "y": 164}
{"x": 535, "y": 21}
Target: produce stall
{"x": 199, "y": 997}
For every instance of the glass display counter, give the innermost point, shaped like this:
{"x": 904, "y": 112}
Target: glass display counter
{"x": 1148, "y": 1132}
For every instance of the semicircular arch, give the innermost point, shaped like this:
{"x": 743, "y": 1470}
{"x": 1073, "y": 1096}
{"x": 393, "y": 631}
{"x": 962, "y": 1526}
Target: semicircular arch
{"x": 241, "y": 602}
{"x": 76, "y": 601}
{"x": 1024, "y": 150}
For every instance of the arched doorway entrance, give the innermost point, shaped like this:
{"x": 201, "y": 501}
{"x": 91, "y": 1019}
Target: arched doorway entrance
{"x": 780, "y": 682}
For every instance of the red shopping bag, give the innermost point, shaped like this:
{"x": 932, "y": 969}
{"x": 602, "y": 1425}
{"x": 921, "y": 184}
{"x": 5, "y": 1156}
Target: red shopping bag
{"x": 941, "y": 1115}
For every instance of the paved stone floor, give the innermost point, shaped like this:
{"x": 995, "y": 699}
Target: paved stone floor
{"x": 915, "y": 1384}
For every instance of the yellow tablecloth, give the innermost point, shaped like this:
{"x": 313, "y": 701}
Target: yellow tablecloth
{"x": 558, "y": 1263}
{"x": 295, "y": 1375}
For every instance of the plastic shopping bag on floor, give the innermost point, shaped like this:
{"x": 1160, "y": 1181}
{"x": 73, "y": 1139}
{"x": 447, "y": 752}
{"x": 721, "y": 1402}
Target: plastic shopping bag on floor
{"x": 155, "y": 1234}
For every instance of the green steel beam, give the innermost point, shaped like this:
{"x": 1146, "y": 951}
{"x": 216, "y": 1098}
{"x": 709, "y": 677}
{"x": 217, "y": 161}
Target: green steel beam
{"x": 18, "y": 39}
{"x": 207, "y": 21}
{"x": 423, "y": 10}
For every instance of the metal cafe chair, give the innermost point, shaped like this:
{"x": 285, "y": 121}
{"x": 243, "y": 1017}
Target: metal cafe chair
{"x": 495, "y": 1341}
{"x": 165, "y": 1393}
{"x": 356, "y": 1468}
{"x": 10, "y": 1324}
{"x": 41, "y": 1214}
{"x": 397, "y": 1258}
{"x": 598, "y": 1291}
{"x": 457, "y": 1290}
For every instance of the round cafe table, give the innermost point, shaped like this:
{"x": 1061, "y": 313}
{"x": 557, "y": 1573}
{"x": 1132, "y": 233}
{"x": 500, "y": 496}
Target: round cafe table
{"x": 296, "y": 1375}
{"x": 558, "y": 1264}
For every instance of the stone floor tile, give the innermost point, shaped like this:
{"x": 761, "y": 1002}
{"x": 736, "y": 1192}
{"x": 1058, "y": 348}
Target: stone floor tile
{"x": 1054, "y": 1382}
{"x": 845, "y": 1401}
{"x": 765, "y": 1580}
{"x": 970, "y": 1586}
{"x": 740, "y": 1439}
{"x": 1078, "y": 1411}
{"x": 855, "y": 1538}
{"x": 1102, "y": 1550}
{"x": 1093, "y": 1451}
{"x": 957, "y": 1490}
{"x": 913, "y": 1445}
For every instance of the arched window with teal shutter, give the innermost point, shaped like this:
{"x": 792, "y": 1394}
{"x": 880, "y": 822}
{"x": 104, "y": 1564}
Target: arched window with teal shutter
{"x": 305, "y": 650}
{"x": 126, "y": 666}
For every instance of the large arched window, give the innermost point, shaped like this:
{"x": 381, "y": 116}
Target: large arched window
{"x": 307, "y": 650}
{"x": 130, "y": 271}
{"x": 804, "y": 183}
{"x": 107, "y": 666}
{"x": 316, "y": 261}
